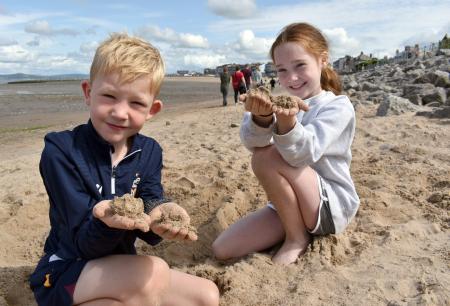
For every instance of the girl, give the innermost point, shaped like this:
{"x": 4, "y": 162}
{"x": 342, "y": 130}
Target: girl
{"x": 302, "y": 159}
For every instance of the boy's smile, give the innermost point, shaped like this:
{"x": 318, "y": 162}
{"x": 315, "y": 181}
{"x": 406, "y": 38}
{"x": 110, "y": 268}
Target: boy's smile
{"x": 119, "y": 110}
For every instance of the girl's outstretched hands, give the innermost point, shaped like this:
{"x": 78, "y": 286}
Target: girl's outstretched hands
{"x": 171, "y": 221}
{"x": 103, "y": 211}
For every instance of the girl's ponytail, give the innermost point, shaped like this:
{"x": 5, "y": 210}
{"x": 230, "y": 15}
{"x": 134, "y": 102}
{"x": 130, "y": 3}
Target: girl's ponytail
{"x": 329, "y": 80}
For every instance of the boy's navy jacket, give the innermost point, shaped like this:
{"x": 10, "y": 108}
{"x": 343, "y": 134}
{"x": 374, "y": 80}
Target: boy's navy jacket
{"x": 77, "y": 173}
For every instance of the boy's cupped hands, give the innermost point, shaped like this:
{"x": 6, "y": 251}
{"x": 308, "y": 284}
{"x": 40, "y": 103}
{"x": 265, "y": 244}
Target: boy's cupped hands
{"x": 168, "y": 220}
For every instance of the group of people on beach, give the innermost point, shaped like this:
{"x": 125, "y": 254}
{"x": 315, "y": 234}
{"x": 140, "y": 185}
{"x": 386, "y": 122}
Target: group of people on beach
{"x": 301, "y": 157}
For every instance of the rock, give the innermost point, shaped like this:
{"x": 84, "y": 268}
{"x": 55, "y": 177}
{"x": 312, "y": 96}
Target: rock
{"x": 394, "y": 105}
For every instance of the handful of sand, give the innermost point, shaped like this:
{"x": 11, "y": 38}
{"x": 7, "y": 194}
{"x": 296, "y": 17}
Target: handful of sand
{"x": 133, "y": 208}
{"x": 283, "y": 101}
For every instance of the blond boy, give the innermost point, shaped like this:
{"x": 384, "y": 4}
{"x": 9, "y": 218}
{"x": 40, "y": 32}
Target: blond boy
{"x": 90, "y": 258}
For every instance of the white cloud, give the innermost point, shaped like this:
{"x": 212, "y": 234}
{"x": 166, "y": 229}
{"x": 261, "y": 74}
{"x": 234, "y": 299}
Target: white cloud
{"x": 167, "y": 35}
{"x": 371, "y": 26}
{"x": 15, "y": 54}
{"x": 42, "y": 27}
{"x": 6, "y": 41}
{"x": 234, "y": 9}
{"x": 203, "y": 60}
{"x": 89, "y": 48}
{"x": 35, "y": 42}
{"x": 14, "y": 19}
{"x": 255, "y": 45}
{"x": 341, "y": 44}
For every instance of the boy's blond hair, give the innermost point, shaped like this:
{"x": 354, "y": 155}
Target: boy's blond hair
{"x": 131, "y": 57}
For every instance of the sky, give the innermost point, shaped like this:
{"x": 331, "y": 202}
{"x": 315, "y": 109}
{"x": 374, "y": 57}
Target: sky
{"x": 56, "y": 37}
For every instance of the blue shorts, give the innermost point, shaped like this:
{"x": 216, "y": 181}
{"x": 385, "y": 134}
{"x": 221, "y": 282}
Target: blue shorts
{"x": 53, "y": 282}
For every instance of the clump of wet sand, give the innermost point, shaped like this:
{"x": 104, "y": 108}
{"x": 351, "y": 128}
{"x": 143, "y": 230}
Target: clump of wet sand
{"x": 128, "y": 206}
{"x": 171, "y": 216}
{"x": 283, "y": 101}
{"x": 133, "y": 208}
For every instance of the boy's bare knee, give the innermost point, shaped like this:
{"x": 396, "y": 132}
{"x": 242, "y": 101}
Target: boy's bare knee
{"x": 211, "y": 295}
{"x": 158, "y": 276}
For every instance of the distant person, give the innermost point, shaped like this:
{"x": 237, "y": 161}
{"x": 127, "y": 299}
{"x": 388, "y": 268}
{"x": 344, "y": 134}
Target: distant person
{"x": 257, "y": 78}
{"x": 272, "y": 84}
{"x": 90, "y": 255}
{"x": 238, "y": 83}
{"x": 224, "y": 84}
{"x": 247, "y": 76}
{"x": 301, "y": 159}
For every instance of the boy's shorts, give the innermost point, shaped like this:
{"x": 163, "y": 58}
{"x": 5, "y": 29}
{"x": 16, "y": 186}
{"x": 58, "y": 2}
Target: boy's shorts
{"x": 325, "y": 223}
{"x": 53, "y": 282}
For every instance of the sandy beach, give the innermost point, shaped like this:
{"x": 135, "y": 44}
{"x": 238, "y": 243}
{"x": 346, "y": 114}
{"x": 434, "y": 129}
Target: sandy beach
{"x": 395, "y": 252}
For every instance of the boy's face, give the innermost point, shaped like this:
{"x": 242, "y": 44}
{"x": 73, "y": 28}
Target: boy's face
{"x": 298, "y": 70}
{"x": 119, "y": 110}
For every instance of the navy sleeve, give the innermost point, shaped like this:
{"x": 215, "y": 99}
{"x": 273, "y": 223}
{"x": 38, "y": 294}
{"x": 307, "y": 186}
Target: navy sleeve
{"x": 150, "y": 187}
{"x": 71, "y": 205}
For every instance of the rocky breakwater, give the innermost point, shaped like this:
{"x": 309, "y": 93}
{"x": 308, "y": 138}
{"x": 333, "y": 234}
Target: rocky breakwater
{"x": 419, "y": 85}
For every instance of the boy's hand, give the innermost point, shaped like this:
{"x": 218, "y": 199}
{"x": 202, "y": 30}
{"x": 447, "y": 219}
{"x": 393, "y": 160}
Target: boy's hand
{"x": 171, "y": 221}
{"x": 102, "y": 210}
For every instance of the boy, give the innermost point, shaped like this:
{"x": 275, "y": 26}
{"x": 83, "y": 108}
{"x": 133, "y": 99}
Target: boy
{"x": 90, "y": 258}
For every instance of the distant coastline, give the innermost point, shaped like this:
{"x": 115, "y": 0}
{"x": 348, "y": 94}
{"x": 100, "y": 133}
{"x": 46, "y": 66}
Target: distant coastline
{"x": 33, "y": 78}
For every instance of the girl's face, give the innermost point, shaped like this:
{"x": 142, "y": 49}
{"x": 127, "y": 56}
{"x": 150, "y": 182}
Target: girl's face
{"x": 298, "y": 70}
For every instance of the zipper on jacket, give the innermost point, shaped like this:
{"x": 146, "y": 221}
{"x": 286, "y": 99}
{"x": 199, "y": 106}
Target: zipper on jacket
{"x": 113, "y": 180}
{"x": 113, "y": 171}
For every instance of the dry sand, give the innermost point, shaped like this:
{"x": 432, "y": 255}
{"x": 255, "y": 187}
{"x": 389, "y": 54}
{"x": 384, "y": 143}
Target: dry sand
{"x": 395, "y": 252}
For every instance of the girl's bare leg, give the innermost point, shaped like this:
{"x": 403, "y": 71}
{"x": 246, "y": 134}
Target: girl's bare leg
{"x": 295, "y": 194}
{"x": 254, "y": 232}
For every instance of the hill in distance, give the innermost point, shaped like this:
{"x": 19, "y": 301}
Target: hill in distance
{"x": 22, "y": 77}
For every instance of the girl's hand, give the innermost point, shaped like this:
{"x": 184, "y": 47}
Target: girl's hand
{"x": 297, "y": 105}
{"x": 102, "y": 210}
{"x": 286, "y": 117}
{"x": 171, "y": 221}
{"x": 257, "y": 103}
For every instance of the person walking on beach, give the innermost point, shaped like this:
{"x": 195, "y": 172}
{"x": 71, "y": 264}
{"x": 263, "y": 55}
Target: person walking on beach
{"x": 257, "y": 78}
{"x": 301, "y": 156}
{"x": 238, "y": 83}
{"x": 224, "y": 84}
{"x": 272, "y": 84}
{"x": 90, "y": 255}
{"x": 247, "y": 76}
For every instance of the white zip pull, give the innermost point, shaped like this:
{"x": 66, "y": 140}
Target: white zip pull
{"x": 113, "y": 180}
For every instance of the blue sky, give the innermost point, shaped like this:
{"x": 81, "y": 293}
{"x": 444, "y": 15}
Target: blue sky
{"x": 52, "y": 37}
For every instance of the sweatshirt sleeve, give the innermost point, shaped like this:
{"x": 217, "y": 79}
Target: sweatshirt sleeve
{"x": 71, "y": 206}
{"x": 305, "y": 145}
{"x": 253, "y": 135}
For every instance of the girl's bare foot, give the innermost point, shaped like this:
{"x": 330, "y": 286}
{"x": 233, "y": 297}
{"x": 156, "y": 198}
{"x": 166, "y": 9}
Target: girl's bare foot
{"x": 290, "y": 251}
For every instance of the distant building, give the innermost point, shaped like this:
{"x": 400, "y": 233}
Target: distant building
{"x": 210, "y": 71}
{"x": 183, "y": 72}
{"x": 270, "y": 70}
{"x": 345, "y": 64}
